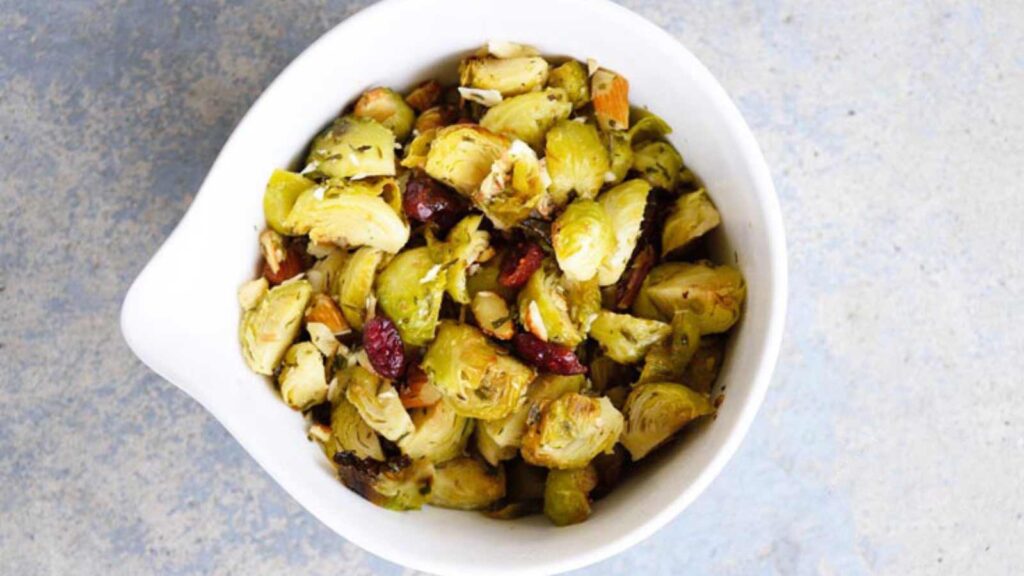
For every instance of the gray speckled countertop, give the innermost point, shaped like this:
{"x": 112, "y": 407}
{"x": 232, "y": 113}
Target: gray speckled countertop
{"x": 892, "y": 440}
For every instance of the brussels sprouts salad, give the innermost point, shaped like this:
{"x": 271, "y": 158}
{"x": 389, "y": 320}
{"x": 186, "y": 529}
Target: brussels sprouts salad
{"x": 494, "y": 296}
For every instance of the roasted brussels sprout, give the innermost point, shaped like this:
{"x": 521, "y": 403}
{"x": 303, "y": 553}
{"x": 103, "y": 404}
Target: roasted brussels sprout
{"x": 439, "y": 433}
{"x": 610, "y": 95}
{"x": 282, "y": 190}
{"x": 477, "y": 378}
{"x": 465, "y": 244}
{"x": 377, "y": 402}
{"x": 666, "y": 361}
{"x": 648, "y": 127}
{"x": 714, "y": 293}
{"x": 461, "y": 156}
{"x": 606, "y": 373}
{"x": 349, "y": 216}
{"x": 270, "y": 327}
{"x": 656, "y": 411}
{"x": 582, "y": 237}
{"x": 356, "y": 284}
{"x": 702, "y": 370}
{"x": 493, "y": 315}
{"x": 572, "y": 77}
{"x": 410, "y": 290}
{"x": 626, "y": 338}
{"x": 466, "y": 484}
{"x": 396, "y": 484}
{"x": 388, "y": 108}
{"x": 354, "y": 148}
{"x": 485, "y": 279}
{"x": 417, "y": 150}
{"x": 567, "y": 495}
{"x": 303, "y": 379}
{"x": 500, "y": 439}
{"x": 625, "y": 206}
{"x": 584, "y": 300}
{"x": 250, "y": 293}
{"x": 570, "y": 431}
{"x": 510, "y": 76}
{"x": 424, "y": 95}
{"x": 692, "y": 216}
{"x": 350, "y": 433}
{"x": 620, "y": 156}
{"x": 513, "y": 188}
{"x": 543, "y": 309}
{"x": 528, "y": 117}
{"x": 326, "y": 274}
{"x": 576, "y": 161}
{"x": 658, "y": 163}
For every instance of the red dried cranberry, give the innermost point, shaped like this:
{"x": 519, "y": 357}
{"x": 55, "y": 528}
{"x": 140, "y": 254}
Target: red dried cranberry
{"x": 293, "y": 264}
{"x": 520, "y": 263}
{"x": 547, "y": 356}
{"x": 384, "y": 347}
{"x": 427, "y": 200}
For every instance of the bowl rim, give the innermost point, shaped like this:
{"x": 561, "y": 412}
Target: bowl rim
{"x": 767, "y": 199}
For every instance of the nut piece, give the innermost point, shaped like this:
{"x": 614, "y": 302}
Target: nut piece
{"x": 493, "y": 315}
{"x": 610, "y": 94}
{"x": 250, "y": 293}
{"x": 424, "y": 95}
{"x": 322, "y": 309}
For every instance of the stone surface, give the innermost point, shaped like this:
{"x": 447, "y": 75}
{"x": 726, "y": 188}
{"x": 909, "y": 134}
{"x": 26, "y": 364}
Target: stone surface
{"x": 892, "y": 441}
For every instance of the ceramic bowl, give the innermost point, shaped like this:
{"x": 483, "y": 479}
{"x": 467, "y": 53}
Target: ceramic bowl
{"x": 181, "y": 315}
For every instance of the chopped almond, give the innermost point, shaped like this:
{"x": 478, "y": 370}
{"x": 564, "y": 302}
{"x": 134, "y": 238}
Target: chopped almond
{"x": 610, "y": 94}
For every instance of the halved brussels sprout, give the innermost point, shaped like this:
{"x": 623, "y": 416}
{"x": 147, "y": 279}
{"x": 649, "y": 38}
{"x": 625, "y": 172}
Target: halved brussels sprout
{"x": 567, "y": 495}
{"x": 417, "y": 150}
{"x": 349, "y": 216}
{"x": 582, "y": 237}
{"x": 387, "y": 107}
{"x": 398, "y": 484}
{"x": 350, "y": 433}
{"x": 282, "y": 190}
{"x": 466, "y": 484}
{"x": 714, "y": 293}
{"x": 477, "y": 378}
{"x": 610, "y": 94}
{"x": 666, "y": 361}
{"x": 410, "y": 290}
{"x": 606, "y": 373}
{"x": 572, "y": 77}
{"x": 303, "y": 379}
{"x": 513, "y": 188}
{"x": 356, "y": 284}
{"x": 571, "y": 431}
{"x": 528, "y": 117}
{"x": 658, "y": 163}
{"x": 500, "y": 439}
{"x": 439, "y": 433}
{"x": 620, "y": 156}
{"x": 544, "y": 310}
{"x": 576, "y": 160}
{"x": 656, "y": 411}
{"x": 461, "y": 156}
{"x": 377, "y": 402}
{"x": 625, "y": 205}
{"x": 493, "y": 315}
{"x": 325, "y": 275}
{"x": 354, "y": 148}
{"x": 250, "y": 293}
{"x": 584, "y": 300}
{"x": 270, "y": 327}
{"x": 626, "y": 338}
{"x": 485, "y": 279}
{"x": 648, "y": 127}
{"x": 692, "y": 216}
{"x": 510, "y": 76}
{"x": 464, "y": 245}
{"x": 702, "y": 371}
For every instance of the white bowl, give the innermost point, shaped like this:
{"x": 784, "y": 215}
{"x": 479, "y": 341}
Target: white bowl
{"x": 181, "y": 315}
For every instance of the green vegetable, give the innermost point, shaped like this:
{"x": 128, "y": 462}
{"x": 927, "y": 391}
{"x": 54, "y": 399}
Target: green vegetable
{"x": 356, "y": 284}
{"x": 658, "y": 163}
{"x": 626, "y": 338}
{"x": 544, "y": 310}
{"x": 656, "y": 411}
{"x": 461, "y": 156}
{"x": 402, "y": 485}
{"x": 303, "y": 379}
{"x": 571, "y": 431}
{"x": 582, "y": 237}
{"x": 464, "y": 245}
{"x": 624, "y": 205}
{"x": 667, "y": 360}
{"x": 714, "y": 293}
{"x": 577, "y": 161}
{"x": 353, "y": 215}
{"x": 510, "y": 76}
{"x": 513, "y": 188}
{"x": 439, "y": 434}
{"x": 350, "y": 433}
{"x": 692, "y": 216}
{"x": 389, "y": 109}
{"x": 572, "y": 77}
{"x": 409, "y": 291}
{"x": 270, "y": 327}
{"x": 282, "y": 190}
{"x": 377, "y": 401}
{"x": 566, "y": 495}
{"x": 528, "y": 117}
{"x": 354, "y": 148}
{"x": 467, "y": 484}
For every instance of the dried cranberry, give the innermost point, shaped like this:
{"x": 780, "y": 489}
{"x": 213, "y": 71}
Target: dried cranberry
{"x": 547, "y": 356}
{"x": 293, "y": 264}
{"x": 520, "y": 263}
{"x": 427, "y": 200}
{"x": 384, "y": 347}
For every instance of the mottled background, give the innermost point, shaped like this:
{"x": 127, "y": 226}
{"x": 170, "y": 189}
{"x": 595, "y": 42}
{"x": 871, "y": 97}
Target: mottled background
{"x": 892, "y": 440}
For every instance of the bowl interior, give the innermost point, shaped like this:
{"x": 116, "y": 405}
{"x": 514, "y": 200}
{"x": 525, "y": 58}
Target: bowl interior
{"x": 181, "y": 315}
